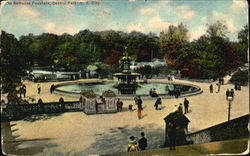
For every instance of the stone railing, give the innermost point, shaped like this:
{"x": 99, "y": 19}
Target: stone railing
{"x": 233, "y": 129}
{"x": 87, "y": 105}
{"x": 17, "y": 111}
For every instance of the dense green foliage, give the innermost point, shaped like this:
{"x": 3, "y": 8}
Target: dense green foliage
{"x": 241, "y": 77}
{"x": 209, "y": 57}
{"x": 13, "y": 62}
{"x": 86, "y": 47}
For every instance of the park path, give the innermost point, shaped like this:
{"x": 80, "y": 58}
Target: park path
{"x": 76, "y": 133}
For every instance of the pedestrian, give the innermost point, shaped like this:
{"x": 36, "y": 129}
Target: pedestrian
{"x": 132, "y": 145}
{"x": 219, "y": 81}
{"x": 143, "y": 142}
{"x": 211, "y": 88}
{"x": 119, "y": 105}
{"x": 232, "y": 93}
{"x": 139, "y": 107}
{"x": 38, "y": 88}
{"x": 218, "y": 87}
{"x": 180, "y": 108}
{"x": 154, "y": 93}
{"x": 172, "y": 135}
{"x": 227, "y": 94}
{"x": 139, "y": 103}
{"x": 177, "y": 94}
{"x": 24, "y": 91}
{"x": 186, "y": 105}
{"x": 158, "y": 104}
{"x": 236, "y": 86}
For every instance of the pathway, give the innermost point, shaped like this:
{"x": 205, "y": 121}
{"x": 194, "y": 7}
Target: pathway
{"x": 79, "y": 134}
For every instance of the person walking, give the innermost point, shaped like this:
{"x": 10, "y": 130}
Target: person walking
{"x": 143, "y": 143}
{"x": 119, "y": 105}
{"x": 24, "y": 91}
{"x": 218, "y": 87}
{"x": 38, "y": 88}
{"x": 172, "y": 135}
{"x": 139, "y": 103}
{"x": 227, "y": 93}
{"x": 132, "y": 145}
{"x": 186, "y": 105}
{"x": 177, "y": 94}
{"x": 139, "y": 107}
{"x": 158, "y": 104}
{"x": 211, "y": 88}
{"x": 180, "y": 108}
{"x": 232, "y": 93}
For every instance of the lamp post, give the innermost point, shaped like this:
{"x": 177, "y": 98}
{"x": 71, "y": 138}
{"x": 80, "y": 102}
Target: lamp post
{"x": 229, "y": 99}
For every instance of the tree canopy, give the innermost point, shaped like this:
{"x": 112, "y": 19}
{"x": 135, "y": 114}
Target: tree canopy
{"x": 210, "y": 56}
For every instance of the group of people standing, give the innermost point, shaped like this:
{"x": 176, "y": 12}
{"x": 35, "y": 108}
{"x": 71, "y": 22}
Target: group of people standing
{"x": 230, "y": 93}
{"x": 141, "y": 145}
{"x": 180, "y": 107}
{"x": 218, "y": 86}
{"x": 153, "y": 93}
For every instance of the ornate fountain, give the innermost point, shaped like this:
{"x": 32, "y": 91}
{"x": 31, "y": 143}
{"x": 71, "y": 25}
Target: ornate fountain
{"x": 127, "y": 83}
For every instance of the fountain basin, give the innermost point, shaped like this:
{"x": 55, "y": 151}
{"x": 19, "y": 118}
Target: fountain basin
{"x": 98, "y": 87}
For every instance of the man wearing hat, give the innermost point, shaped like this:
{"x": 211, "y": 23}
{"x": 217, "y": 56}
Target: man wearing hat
{"x": 142, "y": 142}
{"x": 132, "y": 145}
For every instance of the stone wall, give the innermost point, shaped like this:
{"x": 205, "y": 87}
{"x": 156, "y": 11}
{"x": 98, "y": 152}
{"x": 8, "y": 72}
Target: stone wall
{"x": 233, "y": 129}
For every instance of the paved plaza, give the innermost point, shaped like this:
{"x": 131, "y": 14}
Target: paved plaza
{"x": 76, "y": 133}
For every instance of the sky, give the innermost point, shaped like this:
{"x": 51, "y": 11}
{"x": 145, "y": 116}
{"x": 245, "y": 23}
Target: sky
{"x": 124, "y": 15}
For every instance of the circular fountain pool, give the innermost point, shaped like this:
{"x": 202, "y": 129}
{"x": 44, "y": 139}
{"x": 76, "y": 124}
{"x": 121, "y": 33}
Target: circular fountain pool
{"x": 99, "y": 87}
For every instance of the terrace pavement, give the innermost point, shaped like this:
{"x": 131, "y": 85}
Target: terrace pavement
{"x": 75, "y": 133}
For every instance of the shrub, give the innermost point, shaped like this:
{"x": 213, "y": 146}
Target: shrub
{"x": 88, "y": 93}
{"x": 240, "y": 77}
{"x": 109, "y": 93}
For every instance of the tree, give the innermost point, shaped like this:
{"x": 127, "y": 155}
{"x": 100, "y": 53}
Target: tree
{"x": 216, "y": 55}
{"x": 172, "y": 42}
{"x": 13, "y": 64}
{"x": 242, "y": 46}
{"x": 217, "y": 29}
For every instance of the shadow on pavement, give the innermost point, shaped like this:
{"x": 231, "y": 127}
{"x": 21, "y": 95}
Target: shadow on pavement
{"x": 116, "y": 139}
{"x": 36, "y": 117}
{"x": 11, "y": 146}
